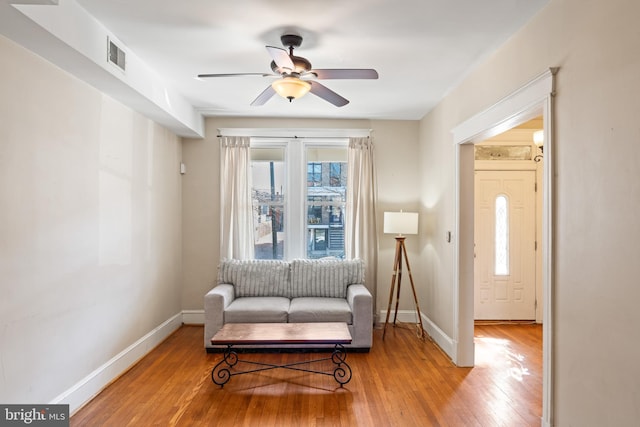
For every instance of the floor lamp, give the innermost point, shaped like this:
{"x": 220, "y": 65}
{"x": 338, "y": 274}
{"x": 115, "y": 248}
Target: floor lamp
{"x": 401, "y": 223}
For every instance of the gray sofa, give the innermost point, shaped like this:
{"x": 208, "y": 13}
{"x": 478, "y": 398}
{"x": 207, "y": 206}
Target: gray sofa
{"x": 300, "y": 291}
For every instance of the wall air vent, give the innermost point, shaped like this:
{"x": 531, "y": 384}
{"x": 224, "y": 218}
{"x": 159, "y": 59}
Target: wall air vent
{"x": 115, "y": 55}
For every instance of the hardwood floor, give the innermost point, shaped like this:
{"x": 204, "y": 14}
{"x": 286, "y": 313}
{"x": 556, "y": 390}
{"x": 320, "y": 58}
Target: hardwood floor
{"x": 403, "y": 381}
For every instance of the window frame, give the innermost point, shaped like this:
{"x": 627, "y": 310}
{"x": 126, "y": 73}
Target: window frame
{"x": 295, "y": 172}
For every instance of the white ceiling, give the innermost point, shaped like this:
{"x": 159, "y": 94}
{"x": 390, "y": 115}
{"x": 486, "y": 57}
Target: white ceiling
{"x": 420, "y": 48}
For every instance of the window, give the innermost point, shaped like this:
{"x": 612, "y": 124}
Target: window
{"x": 326, "y": 200}
{"x": 268, "y": 195}
{"x": 314, "y": 210}
{"x": 502, "y": 236}
{"x": 299, "y": 194}
{"x": 314, "y": 174}
{"x": 336, "y": 177}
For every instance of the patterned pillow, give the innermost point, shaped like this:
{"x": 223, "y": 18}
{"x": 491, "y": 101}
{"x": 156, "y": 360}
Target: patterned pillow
{"x": 324, "y": 278}
{"x": 256, "y": 278}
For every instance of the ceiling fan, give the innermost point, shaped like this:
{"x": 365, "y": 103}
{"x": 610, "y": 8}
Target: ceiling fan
{"x": 297, "y": 77}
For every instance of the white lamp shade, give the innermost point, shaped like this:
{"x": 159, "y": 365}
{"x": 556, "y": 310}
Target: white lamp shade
{"x": 401, "y": 222}
{"x": 291, "y": 87}
{"x": 538, "y": 138}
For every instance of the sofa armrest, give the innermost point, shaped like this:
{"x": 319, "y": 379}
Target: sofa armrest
{"x": 361, "y": 303}
{"x": 215, "y": 302}
{"x": 359, "y": 294}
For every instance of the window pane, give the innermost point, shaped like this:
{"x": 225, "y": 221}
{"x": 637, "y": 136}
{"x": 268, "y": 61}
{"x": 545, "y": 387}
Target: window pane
{"x": 502, "y": 237}
{"x": 326, "y": 195}
{"x": 336, "y": 177}
{"x": 268, "y": 193}
{"x": 314, "y": 174}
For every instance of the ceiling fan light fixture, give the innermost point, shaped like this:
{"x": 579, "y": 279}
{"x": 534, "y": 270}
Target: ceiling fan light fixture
{"x": 538, "y": 138}
{"x": 291, "y": 87}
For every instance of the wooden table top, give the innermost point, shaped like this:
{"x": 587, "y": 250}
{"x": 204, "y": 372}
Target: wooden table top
{"x": 283, "y": 333}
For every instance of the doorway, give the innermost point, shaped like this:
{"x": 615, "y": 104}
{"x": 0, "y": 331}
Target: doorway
{"x": 507, "y": 224}
{"x": 531, "y": 100}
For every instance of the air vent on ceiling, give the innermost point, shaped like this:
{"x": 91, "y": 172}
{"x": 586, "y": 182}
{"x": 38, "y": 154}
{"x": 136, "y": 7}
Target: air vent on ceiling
{"x": 115, "y": 55}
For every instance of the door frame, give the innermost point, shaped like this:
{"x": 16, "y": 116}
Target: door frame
{"x": 529, "y": 101}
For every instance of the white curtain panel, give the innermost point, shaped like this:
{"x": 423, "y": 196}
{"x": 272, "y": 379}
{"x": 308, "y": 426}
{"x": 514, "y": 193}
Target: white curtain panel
{"x": 361, "y": 239}
{"x": 236, "y": 221}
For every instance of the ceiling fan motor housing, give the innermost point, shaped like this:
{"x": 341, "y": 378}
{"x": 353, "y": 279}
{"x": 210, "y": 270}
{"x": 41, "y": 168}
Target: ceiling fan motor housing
{"x": 302, "y": 65}
{"x": 291, "y": 40}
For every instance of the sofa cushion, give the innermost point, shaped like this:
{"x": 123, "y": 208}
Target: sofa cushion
{"x": 324, "y": 278}
{"x": 315, "y": 309}
{"x": 257, "y": 310}
{"x": 256, "y": 278}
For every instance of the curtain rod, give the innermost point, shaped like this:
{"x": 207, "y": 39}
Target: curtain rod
{"x": 295, "y": 133}
{"x": 293, "y": 136}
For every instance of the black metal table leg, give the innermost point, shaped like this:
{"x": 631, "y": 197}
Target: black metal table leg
{"x": 342, "y": 371}
{"x": 221, "y": 373}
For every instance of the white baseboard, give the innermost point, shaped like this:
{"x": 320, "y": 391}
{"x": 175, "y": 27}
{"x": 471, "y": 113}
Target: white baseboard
{"x": 405, "y": 316}
{"x": 445, "y": 342}
{"x": 193, "y": 317}
{"x": 87, "y": 388}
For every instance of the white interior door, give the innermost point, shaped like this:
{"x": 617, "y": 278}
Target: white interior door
{"x": 505, "y": 245}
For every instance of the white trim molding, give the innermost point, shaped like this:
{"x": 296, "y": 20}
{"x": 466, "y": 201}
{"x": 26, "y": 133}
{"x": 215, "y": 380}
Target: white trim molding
{"x": 88, "y": 387}
{"x": 294, "y": 132}
{"x": 193, "y": 317}
{"x": 435, "y": 333}
{"x": 518, "y": 107}
{"x": 531, "y": 100}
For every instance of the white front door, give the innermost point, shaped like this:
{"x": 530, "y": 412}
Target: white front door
{"x": 504, "y": 268}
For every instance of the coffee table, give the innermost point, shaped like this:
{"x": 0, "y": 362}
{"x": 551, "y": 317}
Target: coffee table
{"x": 274, "y": 334}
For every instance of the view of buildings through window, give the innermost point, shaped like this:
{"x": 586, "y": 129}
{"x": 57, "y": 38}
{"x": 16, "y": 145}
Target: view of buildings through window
{"x": 325, "y": 209}
{"x": 323, "y": 205}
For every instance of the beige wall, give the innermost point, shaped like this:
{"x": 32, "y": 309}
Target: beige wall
{"x": 91, "y": 224}
{"x": 596, "y": 44}
{"x": 90, "y": 228}
{"x": 396, "y": 145}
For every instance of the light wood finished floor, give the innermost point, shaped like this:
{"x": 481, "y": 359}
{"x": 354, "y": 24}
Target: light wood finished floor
{"x": 403, "y": 381}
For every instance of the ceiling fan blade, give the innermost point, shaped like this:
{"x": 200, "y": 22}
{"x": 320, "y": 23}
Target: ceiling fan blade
{"x": 327, "y": 94}
{"x": 281, "y": 58}
{"x": 346, "y": 73}
{"x": 234, "y": 75}
{"x": 264, "y": 96}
